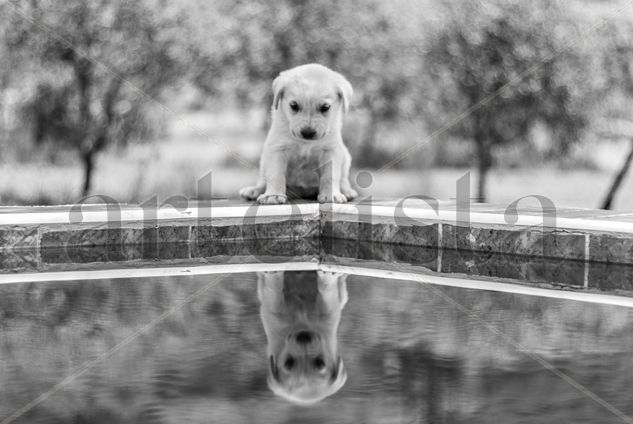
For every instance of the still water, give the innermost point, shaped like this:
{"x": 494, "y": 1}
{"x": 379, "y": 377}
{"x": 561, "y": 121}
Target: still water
{"x": 307, "y": 347}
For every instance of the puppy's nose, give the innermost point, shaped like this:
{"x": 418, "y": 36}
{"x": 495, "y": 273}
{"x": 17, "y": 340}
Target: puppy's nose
{"x": 304, "y": 337}
{"x": 308, "y": 133}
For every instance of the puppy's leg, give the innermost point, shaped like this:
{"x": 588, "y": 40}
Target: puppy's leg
{"x": 333, "y": 290}
{"x": 346, "y": 187}
{"x": 331, "y": 167}
{"x": 270, "y": 290}
{"x": 253, "y": 192}
{"x": 274, "y": 170}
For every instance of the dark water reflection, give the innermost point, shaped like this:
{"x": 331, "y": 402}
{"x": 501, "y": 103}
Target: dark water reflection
{"x": 411, "y": 354}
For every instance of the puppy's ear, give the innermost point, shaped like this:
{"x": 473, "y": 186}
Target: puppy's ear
{"x": 279, "y": 84}
{"x": 274, "y": 371}
{"x": 338, "y": 375}
{"x": 345, "y": 91}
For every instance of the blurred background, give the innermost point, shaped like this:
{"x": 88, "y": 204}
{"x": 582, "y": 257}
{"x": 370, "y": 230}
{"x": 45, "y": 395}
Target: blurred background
{"x": 132, "y": 99}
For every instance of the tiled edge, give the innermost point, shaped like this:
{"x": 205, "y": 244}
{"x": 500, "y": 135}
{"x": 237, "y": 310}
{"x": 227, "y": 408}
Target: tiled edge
{"x": 139, "y": 232}
{"x": 533, "y": 241}
{"x": 14, "y": 236}
{"x": 610, "y": 277}
{"x": 103, "y": 257}
{"x": 611, "y": 248}
{"x": 34, "y": 247}
{"x": 199, "y": 235}
{"x": 476, "y": 275}
{"x": 538, "y": 270}
{"x": 380, "y": 229}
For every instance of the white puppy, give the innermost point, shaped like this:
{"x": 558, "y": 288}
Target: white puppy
{"x": 304, "y": 151}
{"x": 301, "y": 311}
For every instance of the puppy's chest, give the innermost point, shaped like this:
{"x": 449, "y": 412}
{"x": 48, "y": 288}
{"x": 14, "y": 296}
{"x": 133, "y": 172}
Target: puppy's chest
{"x": 303, "y": 166}
{"x": 301, "y": 291}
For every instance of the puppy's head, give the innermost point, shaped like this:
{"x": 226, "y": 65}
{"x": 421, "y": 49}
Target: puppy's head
{"x": 306, "y": 369}
{"x": 312, "y": 99}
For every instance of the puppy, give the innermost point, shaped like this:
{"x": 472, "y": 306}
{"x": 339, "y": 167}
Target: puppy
{"x": 304, "y": 150}
{"x": 301, "y": 317}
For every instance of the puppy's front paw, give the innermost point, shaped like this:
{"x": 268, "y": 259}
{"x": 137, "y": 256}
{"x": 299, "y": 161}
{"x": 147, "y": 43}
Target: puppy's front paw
{"x": 251, "y": 193}
{"x": 272, "y": 199}
{"x": 337, "y": 197}
{"x": 349, "y": 193}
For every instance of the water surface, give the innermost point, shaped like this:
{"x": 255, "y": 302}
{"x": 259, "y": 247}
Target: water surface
{"x": 193, "y": 350}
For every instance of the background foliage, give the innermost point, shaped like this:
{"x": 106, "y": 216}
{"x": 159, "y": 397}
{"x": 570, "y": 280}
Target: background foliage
{"x": 130, "y": 99}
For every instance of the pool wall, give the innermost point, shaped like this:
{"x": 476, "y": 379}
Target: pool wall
{"x": 577, "y": 249}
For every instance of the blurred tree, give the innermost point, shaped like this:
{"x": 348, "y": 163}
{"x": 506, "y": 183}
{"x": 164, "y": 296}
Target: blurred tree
{"x": 369, "y": 41}
{"x": 500, "y": 69}
{"x": 618, "y": 64}
{"x": 92, "y": 67}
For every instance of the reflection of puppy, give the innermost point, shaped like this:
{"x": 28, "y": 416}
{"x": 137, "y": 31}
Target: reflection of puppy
{"x": 304, "y": 150}
{"x": 301, "y": 311}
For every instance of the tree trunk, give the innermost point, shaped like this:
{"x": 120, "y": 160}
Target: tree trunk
{"x": 88, "y": 162}
{"x": 484, "y": 161}
{"x": 367, "y": 153}
{"x": 617, "y": 181}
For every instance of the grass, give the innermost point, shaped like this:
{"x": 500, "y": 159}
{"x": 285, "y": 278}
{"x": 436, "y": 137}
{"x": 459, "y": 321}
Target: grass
{"x": 199, "y": 144}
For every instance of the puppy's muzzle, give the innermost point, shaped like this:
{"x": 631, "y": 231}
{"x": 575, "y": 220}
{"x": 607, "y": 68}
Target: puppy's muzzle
{"x": 308, "y": 133}
{"x": 304, "y": 337}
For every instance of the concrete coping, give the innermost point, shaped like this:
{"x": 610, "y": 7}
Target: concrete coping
{"x": 593, "y": 248}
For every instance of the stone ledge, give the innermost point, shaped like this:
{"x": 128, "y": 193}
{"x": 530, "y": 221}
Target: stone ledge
{"x": 538, "y": 272}
{"x": 581, "y": 235}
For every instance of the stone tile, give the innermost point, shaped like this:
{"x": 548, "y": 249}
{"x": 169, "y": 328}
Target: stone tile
{"x": 54, "y": 255}
{"x": 272, "y": 230}
{"x": 477, "y": 263}
{"x": 173, "y": 234}
{"x": 150, "y": 250}
{"x": 88, "y": 254}
{"x": 74, "y": 254}
{"x": 611, "y": 248}
{"x": 560, "y": 272}
{"x": 414, "y": 235}
{"x": 610, "y": 276}
{"x": 132, "y": 251}
{"x": 529, "y": 242}
{"x": 219, "y": 248}
{"x": 22, "y": 237}
{"x": 284, "y": 230}
{"x": 210, "y": 233}
{"x": 286, "y": 248}
{"x": 131, "y": 236}
{"x": 382, "y": 252}
{"x": 18, "y": 260}
{"x": 339, "y": 230}
{"x": 413, "y": 255}
{"x": 123, "y": 236}
{"x": 256, "y": 248}
{"x": 52, "y": 238}
{"x": 88, "y": 237}
{"x": 173, "y": 250}
{"x": 340, "y": 247}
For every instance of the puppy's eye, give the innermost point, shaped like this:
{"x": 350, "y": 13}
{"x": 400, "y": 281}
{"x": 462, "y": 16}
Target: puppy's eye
{"x": 290, "y": 362}
{"x": 294, "y": 106}
{"x": 319, "y": 363}
{"x": 324, "y": 108}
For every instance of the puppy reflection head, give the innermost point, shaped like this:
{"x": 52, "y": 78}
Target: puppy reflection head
{"x": 306, "y": 370}
{"x": 301, "y": 311}
{"x": 311, "y": 100}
